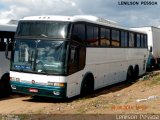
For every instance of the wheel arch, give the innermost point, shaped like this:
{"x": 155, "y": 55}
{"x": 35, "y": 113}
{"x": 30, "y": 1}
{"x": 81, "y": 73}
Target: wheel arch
{"x": 5, "y": 85}
{"x": 4, "y": 76}
{"x": 130, "y": 68}
{"x": 89, "y": 77}
{"x": 88, "y": 74}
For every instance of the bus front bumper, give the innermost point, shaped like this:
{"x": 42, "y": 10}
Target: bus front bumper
{"x": 39, "y": 90}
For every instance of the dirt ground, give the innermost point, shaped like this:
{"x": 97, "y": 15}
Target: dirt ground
{"x": 139, "y": 97}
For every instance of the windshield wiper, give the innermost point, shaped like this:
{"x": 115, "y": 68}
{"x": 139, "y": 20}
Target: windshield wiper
{"x": 43, "y": 66}
{"x": 43, "y": 35}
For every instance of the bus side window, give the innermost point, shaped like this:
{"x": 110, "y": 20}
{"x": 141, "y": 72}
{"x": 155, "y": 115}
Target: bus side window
{"x": 142, "y": 41}
{"x": 124, "y": 39}
{"x": 78, "y": 32}
{"x": 92, "y": 35}
{"x": 104, "y": 36}
{"x": 138, "y": 40}
{"x": 145, "y": 39}
{"x": 115, "y": 38}
{"x": 131, "y": 40}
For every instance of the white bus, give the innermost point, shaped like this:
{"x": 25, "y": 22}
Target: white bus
{"x": 61, "y": 56}
{"x": 7, "y": 32}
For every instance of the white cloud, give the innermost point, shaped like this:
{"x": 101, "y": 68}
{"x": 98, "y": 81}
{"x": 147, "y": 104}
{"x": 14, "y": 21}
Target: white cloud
{"x": 20, "y": 8}
{"x": 125, "y": 15}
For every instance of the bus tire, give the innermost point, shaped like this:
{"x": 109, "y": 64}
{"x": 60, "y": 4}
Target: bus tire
{"x": 136, "y": 72}
{"x": 5, "y": 87}
{"x": 130, "y": 74}
{"x": 87, "y": 86}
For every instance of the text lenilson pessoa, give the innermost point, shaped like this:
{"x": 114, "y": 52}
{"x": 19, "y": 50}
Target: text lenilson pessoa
{"x": 137, "y": 2}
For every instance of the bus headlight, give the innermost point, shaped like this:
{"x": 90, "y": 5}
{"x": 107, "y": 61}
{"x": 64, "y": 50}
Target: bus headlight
{"x": 56, "y": 92}
{"x": 18, "y": 79}
{"x": 56, "y": 84}
{"x": 50, "y": 83}
{"x": 59, "y": 84}
{"x": 14, "y": 79}
{"x": 13, "y": 87}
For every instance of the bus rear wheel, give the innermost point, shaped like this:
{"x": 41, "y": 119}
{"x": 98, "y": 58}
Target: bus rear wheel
{"x": 87, "y": 86}
{"x": 136, "y": 72}
{"x": 130, "y": 74}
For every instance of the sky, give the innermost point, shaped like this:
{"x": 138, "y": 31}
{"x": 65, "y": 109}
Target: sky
{"x": 124, "y": 15}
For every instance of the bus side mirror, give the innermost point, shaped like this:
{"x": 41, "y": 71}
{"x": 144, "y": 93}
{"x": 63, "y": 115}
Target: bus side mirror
{"x": 150, "y": 49}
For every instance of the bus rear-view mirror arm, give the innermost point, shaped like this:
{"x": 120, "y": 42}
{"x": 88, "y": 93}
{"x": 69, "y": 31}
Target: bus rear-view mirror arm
{"x": 7, "y": 51}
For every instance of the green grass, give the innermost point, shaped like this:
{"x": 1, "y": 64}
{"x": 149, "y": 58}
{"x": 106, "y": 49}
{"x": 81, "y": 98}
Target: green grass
{"x": 155, "y": 80}
{"x": 152, "y": 80}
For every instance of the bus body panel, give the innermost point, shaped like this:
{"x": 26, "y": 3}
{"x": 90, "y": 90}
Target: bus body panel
{"x": 4, "y": 64}
{"x": 113, "y": 64}
{"x": 73, "y": 82}
{"x": 105, "y": 73}
{"x": 112, "y": 71}
{"x": 26, "y": 81}
{"x": 109, "y": 69}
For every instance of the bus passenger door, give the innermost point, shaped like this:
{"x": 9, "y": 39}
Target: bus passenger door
{"x": 77, "y": 56}
{"x": 76, "y": 63}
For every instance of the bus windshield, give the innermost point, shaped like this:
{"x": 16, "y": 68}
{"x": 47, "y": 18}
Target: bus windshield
{"x": 42, "y": 29}
{"x": 39, "y": 56}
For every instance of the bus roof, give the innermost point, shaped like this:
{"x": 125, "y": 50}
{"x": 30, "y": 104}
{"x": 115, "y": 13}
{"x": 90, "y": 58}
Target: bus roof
{"x": 76, "y": 18}
{"x": 8, "y": 25}
{"x": 79, "y": 18}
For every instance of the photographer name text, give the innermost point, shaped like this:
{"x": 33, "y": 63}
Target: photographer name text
{"x": 137, "y": 117}
{"x": 144, "y": 3}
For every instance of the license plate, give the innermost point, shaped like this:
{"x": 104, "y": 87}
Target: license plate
{"x": 33, "y": 90}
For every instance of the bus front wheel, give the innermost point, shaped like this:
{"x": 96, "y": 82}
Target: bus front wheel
{"x": 5, "y": 88}
{"x": 87, "y": 86}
